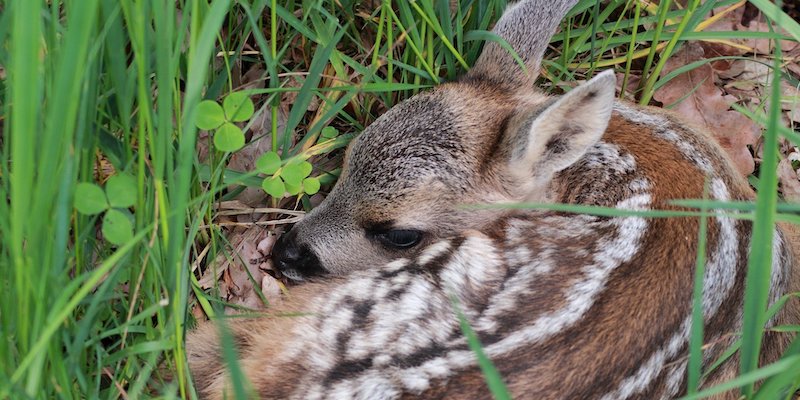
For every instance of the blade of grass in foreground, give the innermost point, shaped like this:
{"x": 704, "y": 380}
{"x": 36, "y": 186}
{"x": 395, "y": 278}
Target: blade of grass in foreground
{"x": 759, "y": 264}
{"x": 200, "y": 50}
{"x": 231, "y": 357}
{"x": 785, "y": 384}
{"x": 734, "y": 348}
{"x": 749, "y": 378}
{"x": 493, "y": 379}
{"x": 306, "y": 94}
{"x": 696, "y": 335}
{"x": 25, "y": 89}
{"x": 60, "y": 314}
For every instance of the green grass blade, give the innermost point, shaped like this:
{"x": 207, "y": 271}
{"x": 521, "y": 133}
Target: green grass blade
{"x": 696, "y": 333}
{"x": 774, "y": 13}
{"x": 493, "y": 379}
{"x": 749, "y": 378}
{"x": 759, "y": 265}
{"x": 60, "y": 314}
{"x": 321, "y": 57}
{"x": 201, "y": 46}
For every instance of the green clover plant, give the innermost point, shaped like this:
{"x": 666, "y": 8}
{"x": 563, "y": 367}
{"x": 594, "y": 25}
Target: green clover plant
{"x": 236, "y": 107}
{"x": 118, "y": 196}
{"x": 284, "y": 177}
{"x": 291, "y": 176}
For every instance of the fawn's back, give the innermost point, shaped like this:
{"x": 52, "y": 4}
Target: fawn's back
{"x": 565, "y": 305}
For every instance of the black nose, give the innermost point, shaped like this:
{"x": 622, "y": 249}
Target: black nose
{"x": 295, "y": 260}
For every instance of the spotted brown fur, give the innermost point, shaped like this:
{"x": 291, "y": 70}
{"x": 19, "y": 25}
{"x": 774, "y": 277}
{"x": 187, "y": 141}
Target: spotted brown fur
{"x": 565, "y": 305}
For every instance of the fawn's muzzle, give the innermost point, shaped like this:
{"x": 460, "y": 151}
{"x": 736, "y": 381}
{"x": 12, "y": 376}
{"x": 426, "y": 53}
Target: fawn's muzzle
{"x": 295, "y": 260}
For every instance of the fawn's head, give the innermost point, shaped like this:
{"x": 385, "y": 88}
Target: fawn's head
{"x": 488, "y": 138}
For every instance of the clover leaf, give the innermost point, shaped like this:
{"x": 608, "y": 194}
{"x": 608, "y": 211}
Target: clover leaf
{"x": 311, "y": 185}
{"x": 209, "y": 115}
{"x": 228, "y": 138}
{"x": 274, "y": 186}
{"x": 117, "y": 227}
{"x": 294, "y": 173}
{"x": 119, "y": 194}
{"x": 268, "y": 163}
{"x": 238, "y": 107}
{"x": 121, "y": 191}
{"x": 90, "y": 199}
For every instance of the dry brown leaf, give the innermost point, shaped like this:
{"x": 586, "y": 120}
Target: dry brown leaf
{"x": 738, "y": 21}
{"x": 790, "y": 101}
{"x": 790, "y": 184}
{"x": 791, "y": 59}
{"x": 708, "y": 106}
{"x": 271, "y": 288}
{"x": 750, "y": 80}
{"x": 233, "y": 274}
{"x": 254, "y": 78}
{"x": 265, "y": 246}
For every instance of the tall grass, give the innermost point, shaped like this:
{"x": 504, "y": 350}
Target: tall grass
{"x": 94, "y": 88}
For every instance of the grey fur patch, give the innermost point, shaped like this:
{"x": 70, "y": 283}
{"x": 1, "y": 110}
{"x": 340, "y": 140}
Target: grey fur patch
{"x": 529, "y": 39}
{"x": 415, "y": 141}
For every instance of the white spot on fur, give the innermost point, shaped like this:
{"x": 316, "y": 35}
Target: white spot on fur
{"x": 433, "y": 251}
{"x": 661, "y": 127}
{"x": 720, "y": 273}
{"x": 556, "y": 226}
{"x": 580, "y": 297}
{"x": 414, "y": 381}
{"x": 395, "y": 265}
{"x": 719, "y": 279}
{"x": 777, "y": 277}
{"x": 638, "y": 116}
{"x": 674, "y": 378}
{"x": 652, "y": 368}
{"x": 515, "y": 286}
{"x": 639, "y": 185}
{"x": 382, "y": 360}
{"x": 641, "y": 379}
{"x": 518, "y": 256}
{"x": 473, "y": 265}
{"x": 419, "y": 377}
{"x": 370, "y": 386}
{"x": 476, "y": 264}
{"x": 606, "y": 156}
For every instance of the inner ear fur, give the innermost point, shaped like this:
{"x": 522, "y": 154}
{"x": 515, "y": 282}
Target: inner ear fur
{"x": 554, "y": 138}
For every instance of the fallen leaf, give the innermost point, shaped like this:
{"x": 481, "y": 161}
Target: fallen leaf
{"x": 271, "y": 288}
{"x": 790, "y": 101}
{"x": 707, "y": 106}
{"x": 265, "y": 246}
{"x": 742, "y": 18}
{"x": 241, "y": 271}
{"x": 790, "y": 184}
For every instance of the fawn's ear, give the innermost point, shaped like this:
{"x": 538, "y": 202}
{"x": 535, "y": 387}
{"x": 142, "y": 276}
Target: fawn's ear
{"x": 527, "y": 27}
{"x": 558, "y": 136}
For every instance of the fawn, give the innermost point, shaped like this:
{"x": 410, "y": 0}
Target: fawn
{"x": 565, "y": 305}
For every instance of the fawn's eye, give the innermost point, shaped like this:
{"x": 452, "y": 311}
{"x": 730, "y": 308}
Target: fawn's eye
{"x": 400, "y": 238}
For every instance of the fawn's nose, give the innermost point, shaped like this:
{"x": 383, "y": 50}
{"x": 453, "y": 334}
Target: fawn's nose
{"x": 295, "y": 260}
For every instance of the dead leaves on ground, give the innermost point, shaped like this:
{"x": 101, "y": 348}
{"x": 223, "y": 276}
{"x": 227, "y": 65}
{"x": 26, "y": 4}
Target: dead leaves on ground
{"x": 242, "y": 273}
{"x": 705, "y": 95}
{"x": 696, "y": 97}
